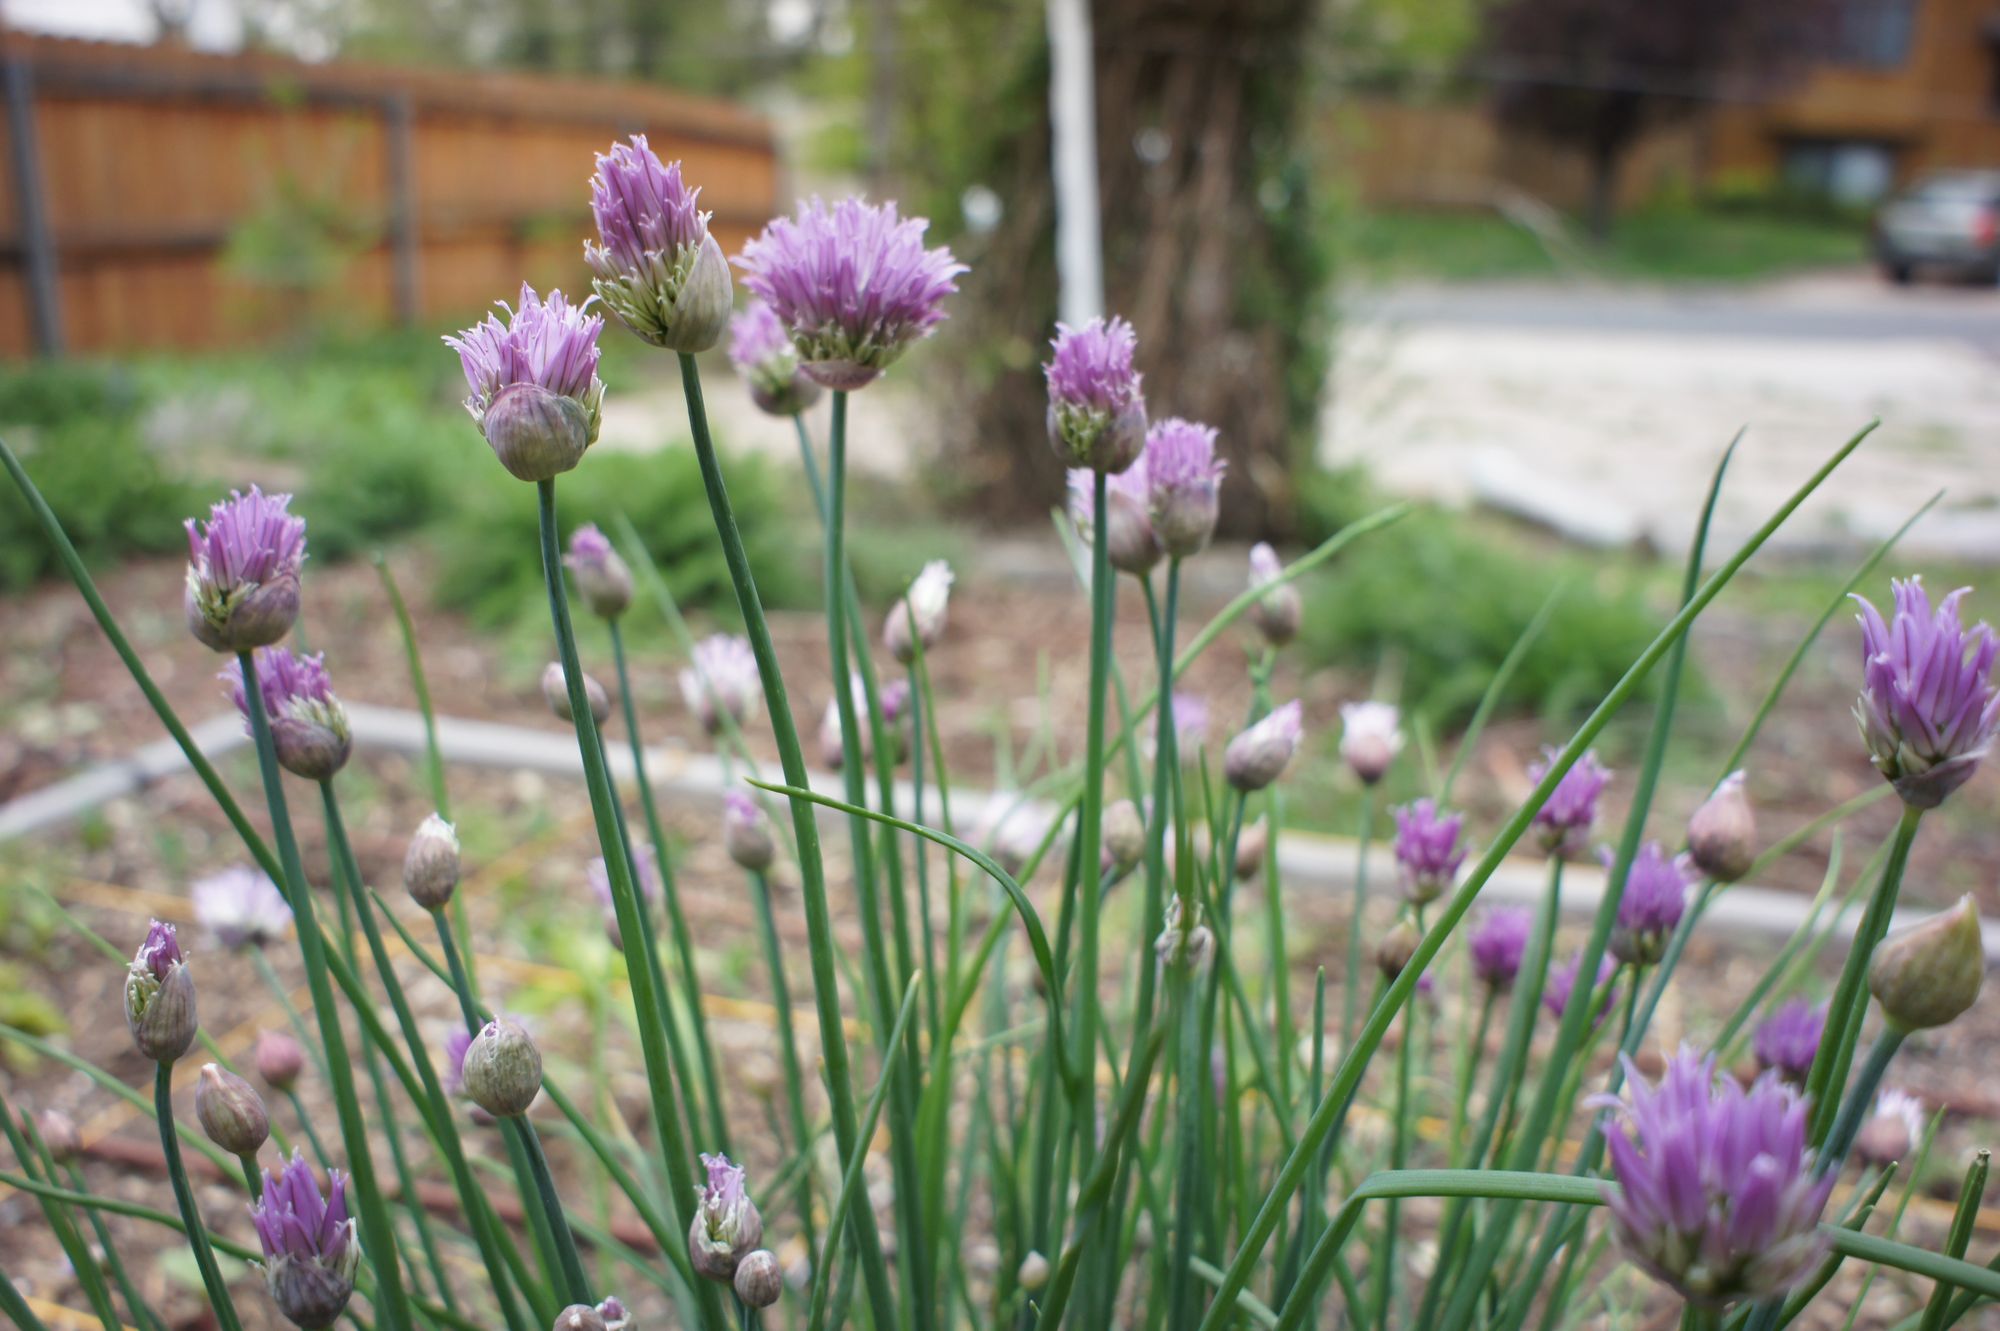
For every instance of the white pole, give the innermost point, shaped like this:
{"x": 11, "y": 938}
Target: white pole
{"x": 1073, "y": 114}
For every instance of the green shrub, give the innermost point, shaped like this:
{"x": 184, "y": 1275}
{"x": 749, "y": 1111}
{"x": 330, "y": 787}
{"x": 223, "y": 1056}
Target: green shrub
{"x": 110, "y": 490}
{"x": 490, "y": 566}
{"x": 1444, "y": 596}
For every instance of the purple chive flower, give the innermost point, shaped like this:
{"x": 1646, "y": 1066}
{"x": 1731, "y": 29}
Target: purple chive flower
{"x": 310, "y": 1250}
{"x": 918, "y": 617}
{"x": 535, "y": 391}
{"x": 894, "y": 699}
{"x": 1716, "y": 1190}
{"x": 1190, "y": 716}
{"x": 1788, "y": 1040}
{"x": 455, "y": 1045}
{"x": 1132, "y": 545}
{"x": 762, "y": 352}
{"x": 308, "y": 723}
{"x": 1259, "y": 754}
{"x": 657, "y": 267}
{"x": 1278, "y": 611}
{"x": 243, "y": 571}
{"x": 721, "y": 680}
{"x": 648, "y": 884}
{"x": 853, "y": 285}
{"x": 1097, "y": 414}
{"x": 1654, "y": 901}
{"x": 601, "y": 576}
{"x": 1428, "y": 851}
{"x": 727, "y": 1226}
{"x": 240, "y": 907}
{"x": 159, "y": 997}
{"x": 1561, "y": 983}
{"x": 1928, "y": 707}
{"x": 1498, "y": 944}
{"x": 1563, "y": 823}
{"x": 1184, "y": 480}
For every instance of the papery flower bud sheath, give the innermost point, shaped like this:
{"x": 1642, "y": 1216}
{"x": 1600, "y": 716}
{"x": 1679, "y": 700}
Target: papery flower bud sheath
{"x": 502, "y": 1069}
{"x": 310, "y": 1251}
{"x": 1097, "y": 413}
{"x": 280, "y": 1059}
{"x": 657, "y": 267}
{"x": 1892, "y": 1130}
{"x": 1928, "y": 707}
{"x": 1370, "y": 738}
{"x": 579, "y": 1317}
{"x": 535, "y": 394}
{"x": 746, "y": 832}
{"x": 1132, "y": 546}
{"x": 555, "y": 692}
{"x": 918, "y": 618}
{"x": 59, "y": 1135}
{"x": 1717, "y": 1194}
{"x": 601, "y": 576}
{"x": 1655, "y": 899}
{"x": 308, "y": 722}
{"x": 1278, "y": 611}
{"x": 1722, "y": 833}
{"x": 852, "y": 284}
{"x": 727, "y": 1227}
{"x": 1498, "y": 944}
{"x": 1428, "y": 850}
{"x": 1184, "y": 485}
{"x": 614, "y": 1314}
{"x": 1033, "y": 1273}
{"x": 1259, "y": 755}
{"x": 159, "y": 997}
{"x": 431, "y": 864}
{"x": 759, "y": 1280}
{"x": 240, "y": 907}
{"x": 1562, "y": 825}
{"x": 762, "y": 352}
{"x": 1251, "y": 844}
{"x": 243, "y": 571}
{"x": 230, "y": 1111}
{"x": 1393, "y": 953}
{"x": 721, "y": 680}
{"x": 1787, "y": 1041}
{"x": 1182, "y": 942}
{"x": 1124, "y": 834}
{"x": 1929, "y": 973}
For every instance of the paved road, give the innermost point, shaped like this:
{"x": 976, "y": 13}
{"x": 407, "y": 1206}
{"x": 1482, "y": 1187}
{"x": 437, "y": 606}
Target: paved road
{"x": 1851, "y": 306}
{"x": 1599, "y": 410}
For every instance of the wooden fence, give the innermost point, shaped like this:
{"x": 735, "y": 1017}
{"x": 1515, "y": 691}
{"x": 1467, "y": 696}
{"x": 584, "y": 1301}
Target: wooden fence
{"x": 160, "y": 198}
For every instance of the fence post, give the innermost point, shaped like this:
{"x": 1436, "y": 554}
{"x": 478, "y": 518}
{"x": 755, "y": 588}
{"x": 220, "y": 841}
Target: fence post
{"x": 399, "y": 123}
{"x": 38, "y": 246}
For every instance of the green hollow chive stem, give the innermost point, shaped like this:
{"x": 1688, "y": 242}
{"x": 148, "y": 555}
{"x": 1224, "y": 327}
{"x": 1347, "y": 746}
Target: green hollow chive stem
{"x": 378, "y": 1235}
{"x": 812, "y": 873}
{"x": 204, "y": 1256}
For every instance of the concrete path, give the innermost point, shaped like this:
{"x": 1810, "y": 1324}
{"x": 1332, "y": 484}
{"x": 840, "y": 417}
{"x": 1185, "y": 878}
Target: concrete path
{"x": 1307, "y": 862}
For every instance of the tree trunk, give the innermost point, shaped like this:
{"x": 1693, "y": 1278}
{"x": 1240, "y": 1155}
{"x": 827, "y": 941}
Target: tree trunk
{"x": 1602, "y": 204}
{"x": 1211, "y": 249}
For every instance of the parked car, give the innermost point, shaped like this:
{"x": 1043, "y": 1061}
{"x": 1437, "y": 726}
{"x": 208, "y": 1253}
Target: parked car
{"x": 1948, "y": 222}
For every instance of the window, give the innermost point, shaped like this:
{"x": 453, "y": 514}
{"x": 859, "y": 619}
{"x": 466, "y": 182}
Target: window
{"x": 1845, "y": 171}
{"x": 1874, "y": 33}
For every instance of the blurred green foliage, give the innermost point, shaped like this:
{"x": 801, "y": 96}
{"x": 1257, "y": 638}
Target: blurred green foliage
{"x": 1442, "y": 597}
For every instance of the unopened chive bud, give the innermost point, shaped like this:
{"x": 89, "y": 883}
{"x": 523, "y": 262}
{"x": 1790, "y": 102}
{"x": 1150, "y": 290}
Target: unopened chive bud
{"x": 1184, "y": 483}
{"x": 1034, "y": 1272}
{"x": 502, "y": 1071}
{"x": 1393, "y": 953}
{"x": 1722, "y": 833}
{"x": 537, "y": 435}
{"x": 758, "y": 1280}
{"x": 555, "y": 690}
{"x": 614, "y": 1314}
{"x": 1278, "y": 610}
{"x": 727, "y": 1225}
{"x": 746, "y": 832}
{"x": 430, "y": 865}
{"x": 579, "y": 1317}
{"x": 59, "y": 1135}
{"x": 918, "y": 618}
{"x": 1370, "y": 738}
{"x": 159, "y": 997}
{"x": 280, "y": 1060}
{"x": 230, "y": 1111}
{"x": 1260, "y": 753}
{"x": 602, "y": 579}
{"x": 1251, "y": 844}
{"x": 1892, "y": 1130}
{"x": 1930, "y": 973}
{"x": 1124, "y": 835}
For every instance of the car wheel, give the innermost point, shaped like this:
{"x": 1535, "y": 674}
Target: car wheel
{"x": 1899, "y": 273}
